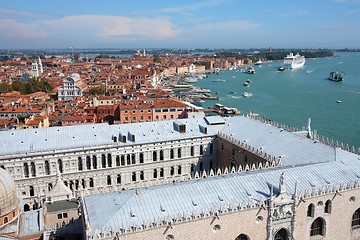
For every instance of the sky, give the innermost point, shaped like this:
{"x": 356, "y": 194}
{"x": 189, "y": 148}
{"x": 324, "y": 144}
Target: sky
{"x": 40, "y": 24}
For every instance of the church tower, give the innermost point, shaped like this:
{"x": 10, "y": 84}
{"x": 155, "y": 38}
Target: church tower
{"x": 40, "y": 66}
{"x": 35, "y": 69}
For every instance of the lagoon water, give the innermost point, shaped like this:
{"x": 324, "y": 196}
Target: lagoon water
{"x": 292, "y": 96}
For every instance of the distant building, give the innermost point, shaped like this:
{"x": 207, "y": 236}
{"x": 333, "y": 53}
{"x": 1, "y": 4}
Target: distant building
{"x": 36, "y": 68}
{"x": 70, "y": 89}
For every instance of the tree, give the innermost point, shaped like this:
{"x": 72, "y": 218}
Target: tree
{"x": 157, "y": 59}
{"x": 96, "y": 91}
{"x": 5, "y": 87}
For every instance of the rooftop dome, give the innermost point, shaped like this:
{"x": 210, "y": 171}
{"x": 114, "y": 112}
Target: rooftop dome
{"x": 8, "y": 197}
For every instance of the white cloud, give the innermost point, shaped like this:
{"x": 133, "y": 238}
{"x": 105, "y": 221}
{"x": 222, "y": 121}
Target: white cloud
{"x": 10, "y": 29}
{"x": 229, "y": 25}
{"x": 90, "y": 30}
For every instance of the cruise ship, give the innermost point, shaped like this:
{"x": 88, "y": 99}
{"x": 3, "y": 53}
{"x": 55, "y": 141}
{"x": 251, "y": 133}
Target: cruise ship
{"x": 293, "y": 61}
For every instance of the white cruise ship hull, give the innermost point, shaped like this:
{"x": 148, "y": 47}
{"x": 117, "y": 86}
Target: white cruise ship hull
{"x": 291, "y": 61}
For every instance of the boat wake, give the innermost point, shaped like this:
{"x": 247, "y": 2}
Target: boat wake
{"x": 309, "y": 71}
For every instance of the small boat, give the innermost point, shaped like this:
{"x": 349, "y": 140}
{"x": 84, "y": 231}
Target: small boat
{"x": 216, "y": 92}
{"x": 232, "y": 92}
{"x": 248, "y": 81}
{"x": 336, "y": 76}
{"x": 281, "y": 68}
{"x": 246, "y": 94}
{"x": 250, "y": 70}
{"x": 338, "y": 101}
{"x": 259, "y": 62}
{"x": 246, "y": 84}
{"x": 219, "y": 80}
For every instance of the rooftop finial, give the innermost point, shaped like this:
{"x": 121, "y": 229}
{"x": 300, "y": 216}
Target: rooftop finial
{"x": 281, "y": 183}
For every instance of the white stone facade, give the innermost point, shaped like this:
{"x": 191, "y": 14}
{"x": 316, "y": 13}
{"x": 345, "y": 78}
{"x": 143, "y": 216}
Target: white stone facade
{"x": 102, "y": 169}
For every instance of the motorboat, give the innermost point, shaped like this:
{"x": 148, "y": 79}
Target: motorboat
{"x": 250, "y": 70}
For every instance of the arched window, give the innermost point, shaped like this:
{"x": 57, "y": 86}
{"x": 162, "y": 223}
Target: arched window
{"x": 161, "y": 155}
{"x": 311, "y": 210}
{"x": 6, "y": 220}
{"x": 2, "y": 166}
{"x": 179, "y": 152}
{"x": 201, "y": 150}
{"x": 282, "y": 234}
{"x": 103, "y": 161}
{"x": 133, "y": 159}
{"x": 179, "y": 170}
{"x": 91, "y": 182}
{"x": 50, "y": 186}
{"x": 33, "y": 169}
{"x": 31, "y": 191}
{"x": 211, "y": 150}
{"x": 327, "y": 208}
{"x": 88, "y": 163}
{"x": 108, "y": 180}
{"x": 109, "y": 160}
{"x": 26, "y": 170}
{"x": 356, "y": 218}
{"x": 242, "y": 237}
{"x": 171, "y": 153}
{"x": 133, "y": 176}
{"x": 94, "y": 162}
{"x": 317, "y": 227}
{"x": 192, "y": 151}
{"x": 128, "y": 159}
{"x": 161, "y": 172}
{"x": 47, "y": 168}
{"x": 26, "y": 208}
{"x": 172, "y": 171}
{"x": 142, "y": 175}
{"x": 154, "y": 156}
{"x": 117, "y": 161}
{"x": 60, "y": 165}
{"x": 80, "y": 164}
{"x": 118, "y": 179}
{"x": 141, "y": 157}
{"x": 83, "y": 183}
{"x": 155, "y": 173}
{"x": 122, "y": 160}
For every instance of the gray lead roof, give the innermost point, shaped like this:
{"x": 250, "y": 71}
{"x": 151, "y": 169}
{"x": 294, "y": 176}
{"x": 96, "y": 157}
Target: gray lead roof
{"x": 206, "y": 195}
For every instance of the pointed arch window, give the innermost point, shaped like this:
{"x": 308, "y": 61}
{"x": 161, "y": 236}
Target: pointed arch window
{"x": 282, "y": 234}
{"x": 179, "y": 152}
{"x": 356, "y": 218}
{"x": 317, "y": 227}
{"x": 118, "y": 179}
{"x": 311, "y": 210}
{"x": 122, "y": 160}
{"x": 327, "y": 208}
{"x": 192, "y": 153}
{"x": 117, "y": 161}
{"x": 242, "y": 237}
{"x": 154, "y": 156}
{"x": 161, "y": 155}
